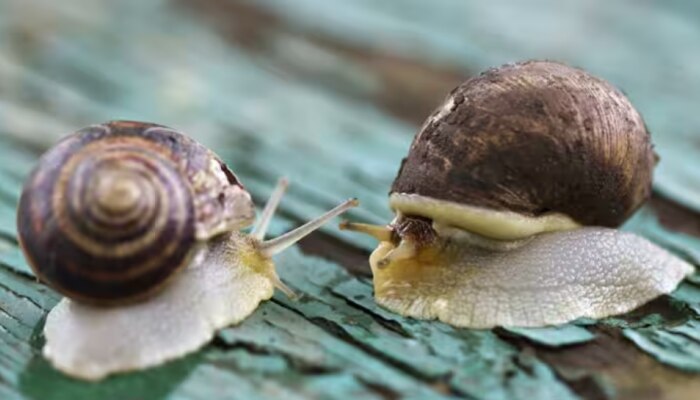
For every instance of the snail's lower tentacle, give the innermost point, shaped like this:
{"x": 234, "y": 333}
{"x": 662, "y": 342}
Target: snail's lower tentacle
{"x": 289, "y": 292}
{"x": 405, "y": 250}
{"x": 268, "y": 212}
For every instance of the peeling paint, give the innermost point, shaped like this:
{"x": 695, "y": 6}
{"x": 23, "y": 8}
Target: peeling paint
{"x": 564, "y": 335}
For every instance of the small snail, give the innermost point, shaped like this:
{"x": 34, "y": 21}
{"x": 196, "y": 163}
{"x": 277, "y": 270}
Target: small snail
{"x": 506, "y": 203}
{"x": 138, "y": 226}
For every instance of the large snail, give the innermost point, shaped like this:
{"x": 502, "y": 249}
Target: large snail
{"x": 506, "y": 203}
{"x": 138, "y": 225}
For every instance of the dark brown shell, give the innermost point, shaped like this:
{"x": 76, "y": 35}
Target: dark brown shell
{"x": 534, "y": 137}
{"x": 114, "y": 210}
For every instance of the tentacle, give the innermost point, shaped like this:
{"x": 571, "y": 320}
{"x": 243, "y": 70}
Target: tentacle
{"x": 268, "y": 212}
{"x": 276, "y": 245}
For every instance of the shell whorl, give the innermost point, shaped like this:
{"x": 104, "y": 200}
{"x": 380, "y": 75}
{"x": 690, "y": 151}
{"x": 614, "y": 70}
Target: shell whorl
{"x": 115, "y": 210}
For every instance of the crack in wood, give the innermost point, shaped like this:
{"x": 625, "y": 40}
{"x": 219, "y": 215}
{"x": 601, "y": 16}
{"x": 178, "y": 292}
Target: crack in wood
{"x": 383, "y": 392}
{"x": 10, "y": 239}
{"x": 388, "y": 324}
{"x": 22, "y": 276}
{"x": 576, "y": 383}
{"x": 7, "y": 331}
{"x": 298, "y": 364}
{"x": 340, "y": 333}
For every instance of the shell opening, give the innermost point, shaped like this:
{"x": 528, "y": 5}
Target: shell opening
{"x": 503, "y": 225}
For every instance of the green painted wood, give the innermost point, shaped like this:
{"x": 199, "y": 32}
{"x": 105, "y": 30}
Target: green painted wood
{"x": 678, "y": 346}
{"x": 689, "y": 295}
{"x": 278, "y": 329}
{"x": 478, "y": 361}
{"x": 8, "y": 227}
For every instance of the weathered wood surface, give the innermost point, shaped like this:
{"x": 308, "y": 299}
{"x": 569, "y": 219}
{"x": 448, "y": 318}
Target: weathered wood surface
{"x": 329, "y": 94}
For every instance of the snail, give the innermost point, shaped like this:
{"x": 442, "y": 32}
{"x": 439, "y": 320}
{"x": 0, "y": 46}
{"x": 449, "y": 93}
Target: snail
{"x": 137, "y": 225}
{"x": 507, "y": 203}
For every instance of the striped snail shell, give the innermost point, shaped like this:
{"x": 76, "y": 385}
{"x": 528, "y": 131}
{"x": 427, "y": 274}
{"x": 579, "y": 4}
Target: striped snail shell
{"x": 113, "y": 211}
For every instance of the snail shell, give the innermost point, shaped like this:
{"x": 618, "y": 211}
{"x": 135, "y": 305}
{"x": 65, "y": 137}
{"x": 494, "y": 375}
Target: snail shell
{"x": 113, "y": 211}
{"x": 548, "y": 142}
{"x": 505, "y": 201}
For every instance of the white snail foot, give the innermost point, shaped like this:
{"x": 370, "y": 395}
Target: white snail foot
{"x": 213, "y": 292}
{"x": 551, "y": 279}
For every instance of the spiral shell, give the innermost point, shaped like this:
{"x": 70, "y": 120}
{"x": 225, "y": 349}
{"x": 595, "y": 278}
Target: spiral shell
{"x": 114, "y": 210}
{"x": 533, "y": 138}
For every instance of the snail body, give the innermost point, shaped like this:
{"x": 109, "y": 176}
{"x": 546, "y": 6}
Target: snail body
{"x": 507, "y": 202}
{"x": 217, "y": 289}
{"x": 138, "y": 226}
